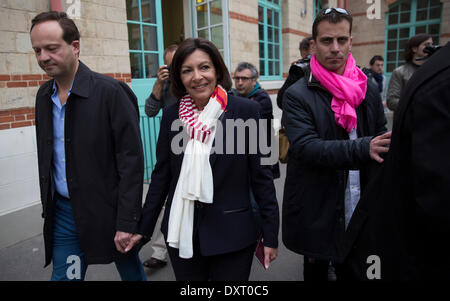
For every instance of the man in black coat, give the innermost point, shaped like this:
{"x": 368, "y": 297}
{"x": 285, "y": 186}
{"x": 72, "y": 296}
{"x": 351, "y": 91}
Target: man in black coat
{"x": 90, "y": 157}
{"x": 329, "y": 165}
{"x": 403, "y": 219}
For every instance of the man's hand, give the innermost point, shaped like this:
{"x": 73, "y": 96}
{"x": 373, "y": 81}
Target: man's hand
{"x": 269, "y": 255}
{"x": 163, "y": 75}
{"x": 135, "y": 239}
{"x": 121, "y": 240}
{"x": 379, "y": 145}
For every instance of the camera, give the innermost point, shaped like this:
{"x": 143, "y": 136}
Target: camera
{"x": 430, "y": 50}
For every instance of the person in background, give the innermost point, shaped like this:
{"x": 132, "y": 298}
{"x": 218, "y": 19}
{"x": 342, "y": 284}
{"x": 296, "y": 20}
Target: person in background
{"x": 208, "y": 222}
{"x": 297, "y": 69}
{"x": 161, "y": 95}
{"x": 160, "y": 98}
{"x": 400, "y": 76}
{"x": 247, "y": 86}
{"x": 91, "y": 164}
{"x": 375, "y": 74}
{"x": 335, "y": 124}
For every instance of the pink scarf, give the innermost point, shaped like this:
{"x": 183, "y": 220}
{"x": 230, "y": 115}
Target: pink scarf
{"x": 348, "y": 90}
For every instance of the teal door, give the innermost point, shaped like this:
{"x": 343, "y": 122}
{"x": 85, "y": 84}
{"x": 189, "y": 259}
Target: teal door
{"x": 145, "y": 39}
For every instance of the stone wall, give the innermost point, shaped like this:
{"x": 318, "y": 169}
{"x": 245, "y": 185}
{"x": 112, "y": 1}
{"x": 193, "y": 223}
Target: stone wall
{"x": 104, "y": 47}
{"x": 244, "y": 41}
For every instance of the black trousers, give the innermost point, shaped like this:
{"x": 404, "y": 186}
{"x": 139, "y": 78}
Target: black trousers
{"x": 233, "y": 266}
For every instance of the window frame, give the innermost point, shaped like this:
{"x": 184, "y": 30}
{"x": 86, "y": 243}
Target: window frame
{"x": 411, "y": 25}
{"x": 224, "y": 24}
{"x": 159, "y": 37}
{"x": 267, "y": 4}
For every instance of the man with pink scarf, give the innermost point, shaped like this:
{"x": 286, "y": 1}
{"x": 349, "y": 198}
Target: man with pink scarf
{"x": 336, "y": 128}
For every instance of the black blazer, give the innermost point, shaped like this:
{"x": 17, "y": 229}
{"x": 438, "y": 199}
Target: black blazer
{"x": 404, "y": 215}
{"x": 104, "y": 161}
{"x": 228, "y": 223}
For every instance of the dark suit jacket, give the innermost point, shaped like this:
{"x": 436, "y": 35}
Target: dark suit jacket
{"x": 104, "y": 161}
{"x": 404, "y": 215}
{"x": 227, "y": 224}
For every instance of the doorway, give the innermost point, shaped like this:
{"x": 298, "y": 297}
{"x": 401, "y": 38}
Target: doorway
{"x": 173, "y": 22}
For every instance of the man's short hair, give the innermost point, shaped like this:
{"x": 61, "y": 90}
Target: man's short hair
{"x": 170, "y": 49}
{"x": 415, "y": 41}
{"x": 376, "y": 58}
{"x": 70, "y": 30}
{"x": 332, "y": 17}
{"x": 244, "y": 65}
{"x": 304, "y": 44}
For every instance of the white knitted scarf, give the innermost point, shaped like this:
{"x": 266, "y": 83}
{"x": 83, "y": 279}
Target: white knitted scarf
{"x": 195, "y": 182}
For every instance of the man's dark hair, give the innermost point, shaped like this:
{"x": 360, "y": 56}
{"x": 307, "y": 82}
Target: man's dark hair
{"x": 70, "y": 30}
{"x": 332, "y": 17}
{"x": 304, "y": 44}
{"x": 185, "y": 49}
{"x": 169, "y": 49}
{"x": 415, "y": 41}
{"x": 244, "y": 65}
{"x": 376, "y": 58}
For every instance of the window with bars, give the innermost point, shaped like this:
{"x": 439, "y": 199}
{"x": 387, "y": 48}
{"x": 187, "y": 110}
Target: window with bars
{"x": 406, "y": 19}
{"x": 269, "y": 23}
{"x": 210, "y": 23}
{"x": 143, "y": 38}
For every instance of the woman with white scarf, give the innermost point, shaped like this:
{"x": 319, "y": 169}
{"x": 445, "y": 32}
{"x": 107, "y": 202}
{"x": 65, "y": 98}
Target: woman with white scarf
{"x": 208, "y": 223}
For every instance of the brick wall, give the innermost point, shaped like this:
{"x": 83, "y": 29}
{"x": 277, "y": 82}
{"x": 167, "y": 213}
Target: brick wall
{"x": 104, "y": 36}
{"x": 445, "y": 26}
{"x": 244, "y": 40}
{"x": 104, "y": 48}
{"x": 295, "y": 27}
{"x": 368, "y": 35}
{"x": 16, "y": 118}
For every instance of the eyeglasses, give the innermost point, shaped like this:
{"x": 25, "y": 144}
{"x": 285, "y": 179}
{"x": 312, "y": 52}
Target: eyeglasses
{"x": 338, "y": 9}
{"x": 242, "y": 78}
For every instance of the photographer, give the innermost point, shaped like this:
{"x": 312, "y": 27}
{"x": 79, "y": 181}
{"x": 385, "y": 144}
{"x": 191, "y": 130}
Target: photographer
{"x": 161, "y": 95}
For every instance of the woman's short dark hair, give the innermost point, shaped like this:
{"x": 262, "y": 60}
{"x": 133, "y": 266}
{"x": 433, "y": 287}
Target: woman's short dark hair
{"x": 70, "y": 30}
{"x": 415, "y": 41}
{"x": 185, "y": 49}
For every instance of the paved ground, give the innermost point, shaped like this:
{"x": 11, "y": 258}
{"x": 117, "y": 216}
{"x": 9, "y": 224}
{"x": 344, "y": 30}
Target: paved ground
{"x": 25, "y": 261}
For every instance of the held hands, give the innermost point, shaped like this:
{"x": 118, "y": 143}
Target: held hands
{"x": 126, "y": 241}
{"x": 269, "y": 255}
{"x": 379, "y": 145}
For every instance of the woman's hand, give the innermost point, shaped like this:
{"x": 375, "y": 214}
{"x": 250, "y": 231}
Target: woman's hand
{"x": 133, "y": 241}
{"x": 269, "y": 255}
